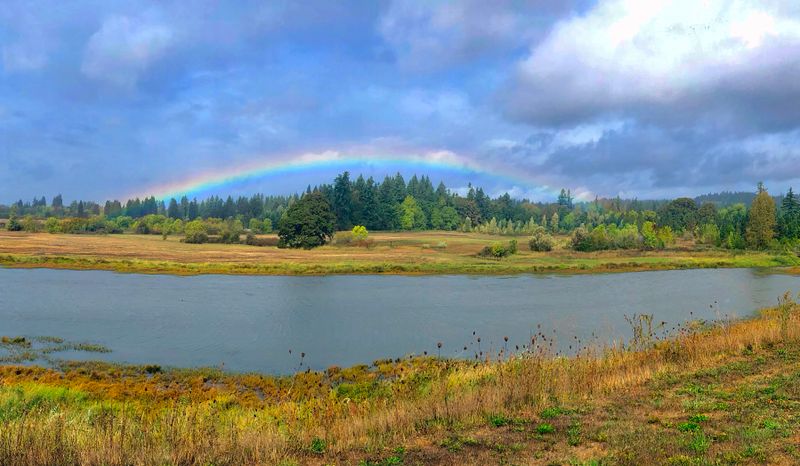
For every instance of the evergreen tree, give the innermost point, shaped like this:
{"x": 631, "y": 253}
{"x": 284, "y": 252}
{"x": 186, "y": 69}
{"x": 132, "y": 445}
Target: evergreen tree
{"x": 761, "y": 221}
{"x": 790, "y": 216}
{"x": 173, "y": 211}
{"x": 343, "y": 202}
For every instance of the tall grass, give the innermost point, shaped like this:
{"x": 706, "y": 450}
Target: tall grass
{"x": 42, "y": 423}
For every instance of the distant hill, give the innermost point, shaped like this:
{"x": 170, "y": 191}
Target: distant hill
{"x": 726, "y": 198}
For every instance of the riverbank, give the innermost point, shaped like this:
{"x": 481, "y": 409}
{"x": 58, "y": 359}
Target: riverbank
{"x": 716, "y": 393}
{"x": 389, "y": 253}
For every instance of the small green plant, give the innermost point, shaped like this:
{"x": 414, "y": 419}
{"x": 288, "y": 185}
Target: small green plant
{"x": 318, "y": 446}
{"x": 551, "y": 412}
{"x": 545, "y": 428}
{"x": 688, "y": 426}
{"x": 499, "y": 420}
{"x": 698, "y": 418}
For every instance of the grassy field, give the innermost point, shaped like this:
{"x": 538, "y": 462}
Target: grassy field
{"x": 406, "y": 252}
{"x": 716, "y": 393}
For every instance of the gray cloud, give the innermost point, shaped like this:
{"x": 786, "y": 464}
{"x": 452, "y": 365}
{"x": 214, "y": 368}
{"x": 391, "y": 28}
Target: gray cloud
{"x": 436, "y": 35}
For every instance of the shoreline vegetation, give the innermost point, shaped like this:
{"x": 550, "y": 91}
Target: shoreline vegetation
{"x": 385, "y": 253}
{"x": 716, "y": 392}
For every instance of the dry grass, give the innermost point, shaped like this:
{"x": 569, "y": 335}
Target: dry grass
{"x": 406, "y": 252}
{"x": 421, "y": 411}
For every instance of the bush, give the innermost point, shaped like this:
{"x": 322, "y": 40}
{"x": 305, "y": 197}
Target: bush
{"x": 196, "y": 232}
{"x": 734, "y": 240}
{"x": 76, "y": 226}
{"x": 627, "y": 237}
{"x": 252, "y": 240}
{"x": 231, "y": 231}
{"x": 498, "y": 250}
{"x": 30, "y": 224}
{"x": 13, "y": 224}
{"x": 260, "y": 226}
{"x": 360, "y": 233}
{"x": 52, "y": 225}
{"x": 708, "y": 234}
{"x": 541, "y": 240}
{"x": 649, "y": 236}
{"x": 599, "y": 238}
{"x": 581, "y": 241}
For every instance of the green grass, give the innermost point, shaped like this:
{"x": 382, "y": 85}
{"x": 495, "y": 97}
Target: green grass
{"x": 512, "y": 265}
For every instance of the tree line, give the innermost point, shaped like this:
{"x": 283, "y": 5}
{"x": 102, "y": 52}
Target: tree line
{"x": 397, "y": 204}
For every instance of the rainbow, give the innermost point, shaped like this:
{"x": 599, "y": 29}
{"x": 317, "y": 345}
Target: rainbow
{"x": 437, "y": 160}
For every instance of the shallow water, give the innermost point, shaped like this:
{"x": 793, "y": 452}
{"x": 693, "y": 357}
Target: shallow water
{"x": 249, "y": 323}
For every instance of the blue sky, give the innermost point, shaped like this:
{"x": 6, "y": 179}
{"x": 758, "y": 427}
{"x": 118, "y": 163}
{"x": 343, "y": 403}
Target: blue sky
{"x": 108, "y": 99}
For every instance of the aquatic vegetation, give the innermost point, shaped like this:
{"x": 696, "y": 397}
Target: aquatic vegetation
{"x": 21, "y": 349}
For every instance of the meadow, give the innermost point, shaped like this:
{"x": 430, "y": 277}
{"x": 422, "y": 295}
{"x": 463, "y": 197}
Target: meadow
{"x": 722, "y": 392}
{"x": 400, "y": 253}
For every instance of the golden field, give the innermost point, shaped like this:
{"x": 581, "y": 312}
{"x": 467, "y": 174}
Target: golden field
{"x": 404, "y": 252}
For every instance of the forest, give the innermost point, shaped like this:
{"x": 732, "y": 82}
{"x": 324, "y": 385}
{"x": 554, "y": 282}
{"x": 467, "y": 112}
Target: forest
{"x": 732, "y": 220}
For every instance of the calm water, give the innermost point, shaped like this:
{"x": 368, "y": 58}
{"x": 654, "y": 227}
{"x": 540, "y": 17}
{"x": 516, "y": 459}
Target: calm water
{"x": 250, "y": 323}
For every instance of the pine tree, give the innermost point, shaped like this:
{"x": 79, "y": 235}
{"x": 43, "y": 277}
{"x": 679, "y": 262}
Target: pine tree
{"x": 790, "y": 216}
{"x": 343, "y": 201}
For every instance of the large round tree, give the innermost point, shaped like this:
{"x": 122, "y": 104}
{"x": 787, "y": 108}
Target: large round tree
{"x": 308, "y": 223}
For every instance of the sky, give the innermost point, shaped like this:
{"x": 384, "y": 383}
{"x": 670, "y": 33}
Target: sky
{"x": 113, "y": 99}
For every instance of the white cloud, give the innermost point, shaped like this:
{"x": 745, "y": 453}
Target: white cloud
{"x": 123, "y": 48}
{"x": 627, "y": 54}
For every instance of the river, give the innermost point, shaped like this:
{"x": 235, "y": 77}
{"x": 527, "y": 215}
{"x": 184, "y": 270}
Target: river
{"x": 250, "y": 323}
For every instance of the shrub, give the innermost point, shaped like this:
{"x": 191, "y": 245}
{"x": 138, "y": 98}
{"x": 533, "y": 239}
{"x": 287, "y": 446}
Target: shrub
{"x": 255, "y": 225}
{"x": 581, "y": 241}
{"x": 734, "y": 240}
{"x": 650, "y": 238}
{"x": 231, "y": 231}
{"x": 196, "y": 232}
{"x": 52, "y": 225}
{"x": 30, "y": 224}
{"x": 13, "y": 224}
{"x": 599, "y": 238}
{"x": 627, "y": 237}
{"x": 252, "y": 240}
{"x": 708, "y": 234}
{"x": 360, "y": 233}
{"x": 665, "y": 236}
{"x": 499, "y": 250}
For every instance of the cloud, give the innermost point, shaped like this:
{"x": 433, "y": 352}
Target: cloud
{"x": 676, "y": 62}
{"x": 123, "y": 48}
{"x": 428, "y": 35}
